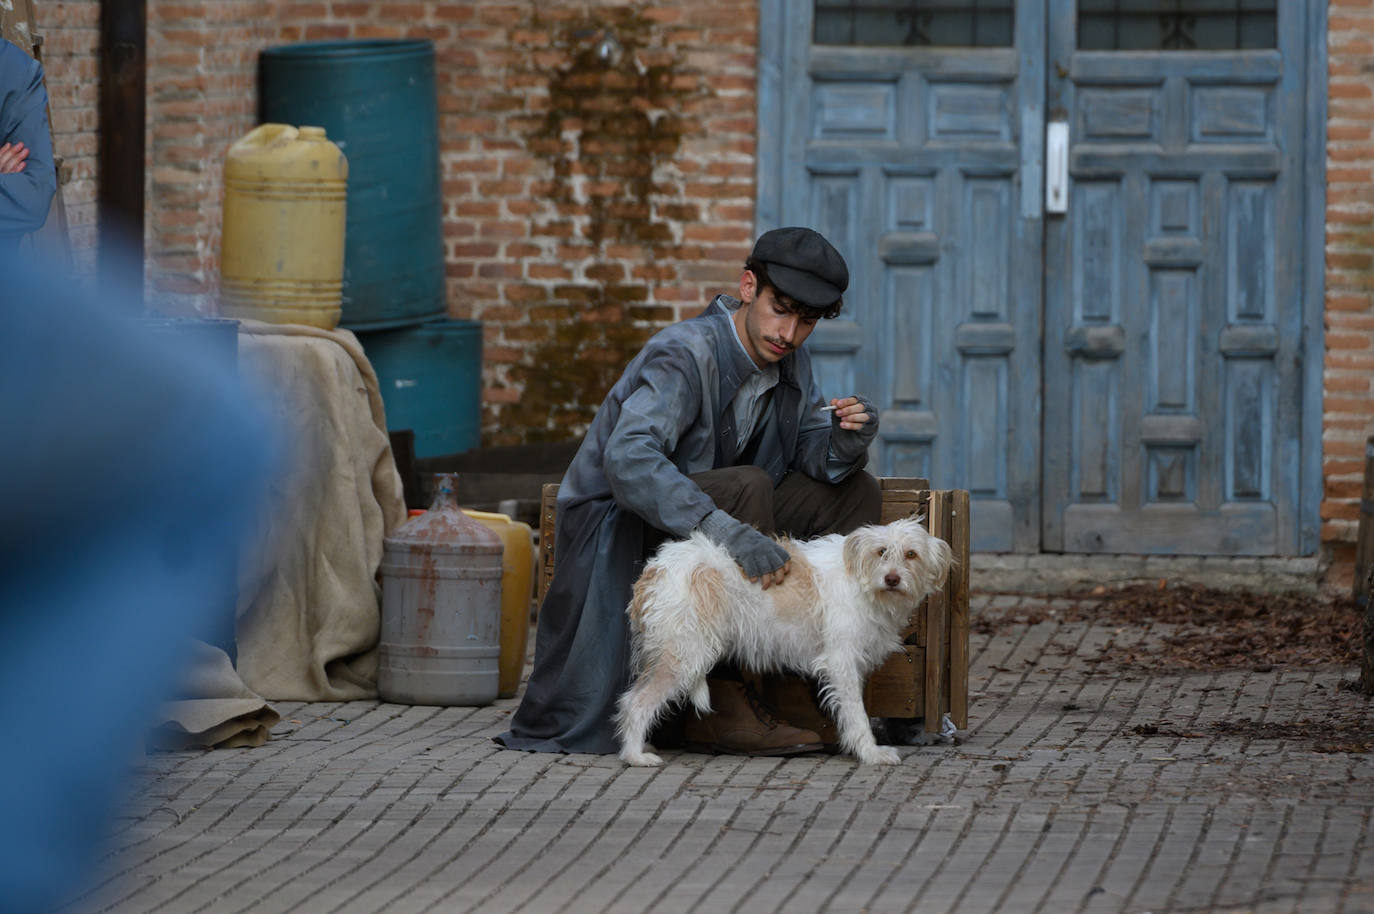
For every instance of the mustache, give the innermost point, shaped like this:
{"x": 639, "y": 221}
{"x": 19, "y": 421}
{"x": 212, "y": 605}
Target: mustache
{"x": 780, "y": 343}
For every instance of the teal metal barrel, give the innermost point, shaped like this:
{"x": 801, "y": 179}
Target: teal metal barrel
{"x": 377, "y": 101}
{"x": 431, "y": 381}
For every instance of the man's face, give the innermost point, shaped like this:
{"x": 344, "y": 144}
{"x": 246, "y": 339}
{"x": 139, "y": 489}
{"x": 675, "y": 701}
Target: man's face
{"x": 768, "y": 328}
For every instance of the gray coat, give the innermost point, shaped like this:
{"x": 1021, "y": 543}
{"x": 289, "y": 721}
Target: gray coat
{"x": 667, "y": 417}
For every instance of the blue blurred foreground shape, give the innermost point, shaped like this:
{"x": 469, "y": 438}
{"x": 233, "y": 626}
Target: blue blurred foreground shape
{"x": 128, "y": 468}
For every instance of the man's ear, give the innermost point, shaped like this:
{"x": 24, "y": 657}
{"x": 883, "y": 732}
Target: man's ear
{"x": 748, "y": 286}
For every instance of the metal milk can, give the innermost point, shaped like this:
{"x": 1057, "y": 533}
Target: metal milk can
{"x": 441, "y": 607}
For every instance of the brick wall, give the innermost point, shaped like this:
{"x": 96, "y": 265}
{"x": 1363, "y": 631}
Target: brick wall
{"x": 1348, "y": 414}
{"x": 201, "y": 96}
{"x": 588, "y": 200}
{"x": 202, "y": 77}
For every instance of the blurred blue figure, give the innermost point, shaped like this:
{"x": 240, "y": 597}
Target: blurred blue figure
{"x": 127, "y": 470}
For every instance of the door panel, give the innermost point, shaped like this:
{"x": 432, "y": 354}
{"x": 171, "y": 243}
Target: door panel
{"x": 1127, "y": 375}
{"x": 1173, "y": 299}
{"x": 910, "y": 160}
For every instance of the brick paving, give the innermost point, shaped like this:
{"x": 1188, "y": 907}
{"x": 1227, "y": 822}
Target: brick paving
{"x": 1053, "y": 801}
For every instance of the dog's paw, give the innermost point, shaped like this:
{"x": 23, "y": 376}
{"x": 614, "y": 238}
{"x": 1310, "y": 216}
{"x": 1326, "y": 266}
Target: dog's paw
{"x": 641, "y": 759}
{"x": 880, "y": 755}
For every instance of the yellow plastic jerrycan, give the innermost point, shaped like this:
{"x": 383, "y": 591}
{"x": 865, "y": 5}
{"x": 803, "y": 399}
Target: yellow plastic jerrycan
{"x": 517, "y": 578}
{"x": 282, "y": 245}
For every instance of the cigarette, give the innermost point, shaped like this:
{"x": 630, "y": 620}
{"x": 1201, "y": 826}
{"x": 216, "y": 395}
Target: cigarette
{"x": 826, "y": 409}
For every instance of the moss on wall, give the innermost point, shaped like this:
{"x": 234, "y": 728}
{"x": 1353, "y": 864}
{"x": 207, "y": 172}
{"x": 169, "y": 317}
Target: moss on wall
{"x": 617, "y": 116}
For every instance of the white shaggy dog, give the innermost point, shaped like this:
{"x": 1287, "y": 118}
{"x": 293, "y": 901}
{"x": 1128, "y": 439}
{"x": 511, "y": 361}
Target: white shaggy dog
{"x": 837, "y": 615}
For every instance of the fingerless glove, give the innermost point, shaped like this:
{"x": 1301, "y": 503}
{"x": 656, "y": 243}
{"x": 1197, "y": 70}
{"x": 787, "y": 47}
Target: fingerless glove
{"x": 850, "y": 445}
{"x": 756, "y": 553}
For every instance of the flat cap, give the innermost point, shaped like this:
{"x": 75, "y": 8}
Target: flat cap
{"x": 803, "y": 265}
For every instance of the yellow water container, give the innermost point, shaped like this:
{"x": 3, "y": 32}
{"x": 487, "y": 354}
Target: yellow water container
{"x": 517, "y": 577}
{"x": 282, "y": 244}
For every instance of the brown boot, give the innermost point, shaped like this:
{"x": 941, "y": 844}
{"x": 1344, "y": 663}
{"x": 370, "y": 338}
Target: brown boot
{"x": 795, "y": 699}
{"x": 743, "y": 725}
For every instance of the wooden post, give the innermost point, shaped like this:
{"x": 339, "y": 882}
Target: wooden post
{"x": 935, "y": 673}
{"x": 122, "y": 117}
{"x": 1364, "y": 543}
{"x": 958, "y": 610}
{"x": 1364, "y": 567}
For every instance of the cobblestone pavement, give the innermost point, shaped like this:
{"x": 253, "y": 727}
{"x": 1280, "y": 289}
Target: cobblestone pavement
{"x": 1079, "y": 787}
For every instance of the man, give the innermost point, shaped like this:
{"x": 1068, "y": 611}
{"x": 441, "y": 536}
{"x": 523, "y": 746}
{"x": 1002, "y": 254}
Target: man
{"x": 717, "y": 425}
{"x": 28, "y": 178}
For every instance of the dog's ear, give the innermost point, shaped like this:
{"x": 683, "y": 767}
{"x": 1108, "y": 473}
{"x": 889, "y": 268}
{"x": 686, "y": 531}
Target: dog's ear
{"x": 855, "y": 544}
{"x": 936, "y": 559}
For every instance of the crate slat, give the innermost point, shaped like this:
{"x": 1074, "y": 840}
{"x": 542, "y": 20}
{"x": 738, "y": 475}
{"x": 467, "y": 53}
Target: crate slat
{"x": 903, "y": 482}
{"x": 938, "y": 524}
{"x": 895, "y": 689}
{"x": 958, "y": 609}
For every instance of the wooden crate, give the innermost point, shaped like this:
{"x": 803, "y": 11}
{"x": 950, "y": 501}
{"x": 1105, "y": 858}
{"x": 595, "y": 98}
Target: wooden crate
{"x": 929, "y": 676}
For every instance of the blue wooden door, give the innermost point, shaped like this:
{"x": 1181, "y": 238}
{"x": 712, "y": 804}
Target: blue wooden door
{"x": 1174, "y": 306}
{"x": 1132, "y": 371}
{"x": 921, "y": 164}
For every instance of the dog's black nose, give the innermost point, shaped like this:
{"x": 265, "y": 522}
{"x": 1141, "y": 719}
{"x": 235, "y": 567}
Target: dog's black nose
{"x": 892, "y": 579}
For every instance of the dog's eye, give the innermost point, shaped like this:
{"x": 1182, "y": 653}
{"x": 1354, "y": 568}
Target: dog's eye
{"x": 910, "y": 554}
{"x": 881, "y": 552}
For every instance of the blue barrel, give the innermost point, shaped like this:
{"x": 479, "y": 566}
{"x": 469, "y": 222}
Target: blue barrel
{"x": 431, "y": 381}
{"x": 376, "y": 100}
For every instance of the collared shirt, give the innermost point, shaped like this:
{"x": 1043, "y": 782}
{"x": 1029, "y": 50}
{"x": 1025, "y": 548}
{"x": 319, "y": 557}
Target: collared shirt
{"x": 753, "y": 395}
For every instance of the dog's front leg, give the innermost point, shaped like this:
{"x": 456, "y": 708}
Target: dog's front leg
{"x": 844, "y": 691}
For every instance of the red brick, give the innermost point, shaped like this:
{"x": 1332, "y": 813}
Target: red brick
{"x": 549, "y": 271}
{"x": 501, "y": 395}
{"x": 475, "y": 249}
{"x": 500, "y": 270}
{"x": 1337, "y": 341}
{"x": 524, "y": 207}
{"x": 478, "y": 208}
{"x": 1333, "y": 510}
{"x": 524, "y": 293}
{"x": 1357, "y": 260}
{"x": 1349, "y": 384}
{"x": 325, "y": 32}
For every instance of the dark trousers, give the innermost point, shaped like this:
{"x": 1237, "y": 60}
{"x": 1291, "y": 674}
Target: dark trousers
{"x": 799, "y": 506}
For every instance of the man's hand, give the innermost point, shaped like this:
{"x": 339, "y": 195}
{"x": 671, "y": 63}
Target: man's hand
{"x": 851, "y": 412}
{"x": 760, "y": 558}
{"x": 12, "y": 158}
{"x": 853, "y": 428}
{"x": 773, "y": 577}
